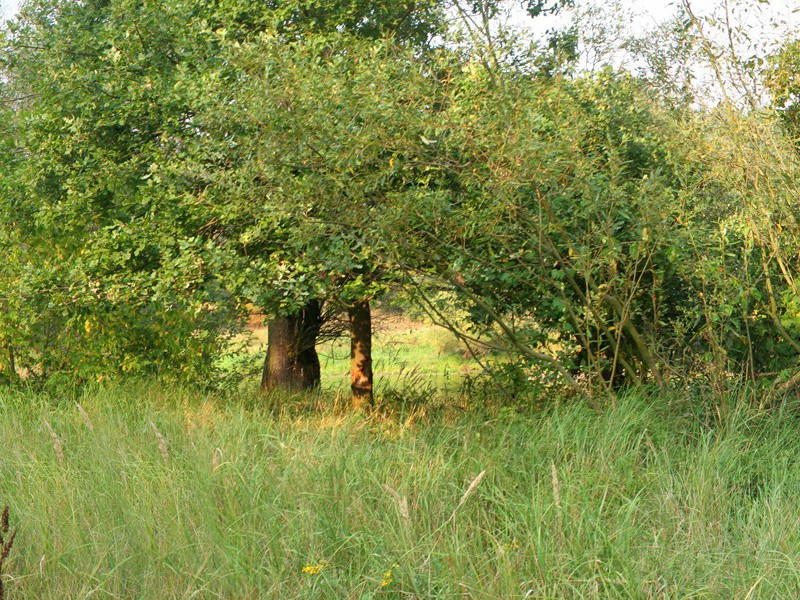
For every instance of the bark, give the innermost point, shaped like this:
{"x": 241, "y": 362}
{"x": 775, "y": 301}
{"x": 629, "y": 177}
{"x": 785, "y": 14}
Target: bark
{"x": 292, "y": 363}
{"x": 12, "y": 363}
{"x": 360, "y": 355}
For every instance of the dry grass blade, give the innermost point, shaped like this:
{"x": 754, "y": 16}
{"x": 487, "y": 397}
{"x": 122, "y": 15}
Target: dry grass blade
{"x": 464, "y": 497}
{"x": 475, "y": 483}
{"x": 556, "y": 486}
{"x": 85, "y": 416}
{"x": 557, "y": 500}
{"x": 162, "y": 442}
{"x": 470, "y": 490}
{"x": 216, "y": 459}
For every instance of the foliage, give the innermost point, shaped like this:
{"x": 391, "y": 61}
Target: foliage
{"x": 598, "y": 232}
{"x": 140, "y": 266}
{"x": 175, "y": 166}
{"x": 781, "y": 74}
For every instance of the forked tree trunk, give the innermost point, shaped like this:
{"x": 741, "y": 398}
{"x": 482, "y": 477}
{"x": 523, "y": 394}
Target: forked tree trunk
{"x": 360, "y": 355}
{"x": 292, "y": 363}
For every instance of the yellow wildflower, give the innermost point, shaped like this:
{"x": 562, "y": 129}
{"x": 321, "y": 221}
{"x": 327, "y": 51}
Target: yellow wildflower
{"x": 387, "y": 577}
{"x": 314, "y": 569}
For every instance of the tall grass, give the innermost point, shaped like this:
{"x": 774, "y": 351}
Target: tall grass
{"x": 160, "y": 493}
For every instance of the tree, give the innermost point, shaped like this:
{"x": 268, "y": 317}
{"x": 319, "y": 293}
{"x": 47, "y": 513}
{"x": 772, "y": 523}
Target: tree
{"x": 315, "y": 134}
{"x": 293, "y": 363}
{"x": 107, "y": 278}
{"x": 120, "y": 165}
{"x": 591, "y": 234}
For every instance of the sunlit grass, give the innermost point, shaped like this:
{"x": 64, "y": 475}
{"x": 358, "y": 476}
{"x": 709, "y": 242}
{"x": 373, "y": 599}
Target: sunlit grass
{"x": 421, "y": 352}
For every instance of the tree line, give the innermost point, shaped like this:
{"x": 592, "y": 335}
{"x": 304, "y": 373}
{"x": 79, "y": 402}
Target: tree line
{"x": 171, "y": 167}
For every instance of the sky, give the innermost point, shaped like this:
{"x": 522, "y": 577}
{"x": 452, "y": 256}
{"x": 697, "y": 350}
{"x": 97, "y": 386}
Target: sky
{"x": 9, "y": 8}
{"x": 649, "y": 13}
{"x": 652, "y": 11}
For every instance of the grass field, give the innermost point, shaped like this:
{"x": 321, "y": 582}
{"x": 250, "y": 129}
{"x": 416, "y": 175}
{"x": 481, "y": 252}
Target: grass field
{"x": 145, "y": 492}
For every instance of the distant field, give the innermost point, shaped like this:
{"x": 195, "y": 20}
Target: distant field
{"x": 406, "y": 353}
{"x": 159, "y": 493}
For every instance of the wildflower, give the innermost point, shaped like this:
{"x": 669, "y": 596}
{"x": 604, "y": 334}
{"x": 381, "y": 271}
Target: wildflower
{"x": 387, "y": 577}
{"x": 314, "y": 569}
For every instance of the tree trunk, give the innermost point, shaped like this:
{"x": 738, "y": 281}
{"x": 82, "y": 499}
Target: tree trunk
{"x": 360, "y": 355}
{"x": 292, "y": 363}
{"x": 12, "y": 363}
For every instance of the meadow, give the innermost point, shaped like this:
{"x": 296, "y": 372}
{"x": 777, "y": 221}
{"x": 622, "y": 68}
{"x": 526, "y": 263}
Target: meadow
{"x": 143, "y": 491}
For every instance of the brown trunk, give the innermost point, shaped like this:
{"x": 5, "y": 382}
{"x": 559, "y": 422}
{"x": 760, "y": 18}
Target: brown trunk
{"x": 12, "y": 362}
{"x": 360, "y": 355}
{"x": 292, "y": 363}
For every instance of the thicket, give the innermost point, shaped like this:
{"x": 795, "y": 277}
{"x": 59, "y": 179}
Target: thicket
{"x": 170, "y": 169}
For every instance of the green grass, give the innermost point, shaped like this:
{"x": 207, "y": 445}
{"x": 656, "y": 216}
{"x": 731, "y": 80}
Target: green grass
{"x": 421, "y": 355}
{"x": 648, "y": 499}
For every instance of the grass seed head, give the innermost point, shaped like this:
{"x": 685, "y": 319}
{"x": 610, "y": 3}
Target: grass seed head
{"x": 162, "y": 442}
{"x": 56, "y": 442}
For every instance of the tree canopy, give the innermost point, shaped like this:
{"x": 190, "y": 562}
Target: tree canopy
{"x": 172, "y": 167}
